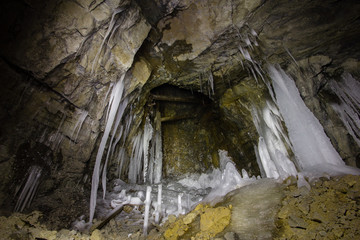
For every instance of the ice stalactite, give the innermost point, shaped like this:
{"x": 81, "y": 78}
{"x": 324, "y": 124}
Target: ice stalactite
{"x": 29, "y": 189}
{"x": 81, "y": 119}
{"x": 348, "y": 91}
{"x": 120, "y": 112}
{"x": 107, "y": 36}
{"x": 249, "y": 40}
{"x": 115, "y": 99}
{"x": 312, "y": 148}
{"x": 57, "y": 138}
{"x": 136, "y": 158}
{"x": 146, "y": 160}
{"x": 211, "y": 84}
{"x": 273, "y": 142}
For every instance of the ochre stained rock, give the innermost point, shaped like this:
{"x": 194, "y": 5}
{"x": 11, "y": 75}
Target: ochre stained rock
{"x": 328, "y": 211}
{"x": 214, "y": 221}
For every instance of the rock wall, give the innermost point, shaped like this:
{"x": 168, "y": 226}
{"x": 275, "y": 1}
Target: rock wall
{"x": 59, "y": 60}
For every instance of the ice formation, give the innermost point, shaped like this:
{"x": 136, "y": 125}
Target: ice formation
{"x": 176, "y": 196}
{"x": 158, "y": 205}
{"x": 312, "y": 148}
{"x": 211, "y": 84}
{"x": 78, "y": 125}
{"x": 348, "y": 91}
{"x": 147, "y": 209}
{"x": 114, "y": 103}
{"x": 273, "y": 143}
{"x": 29, "y": 189}
{"x": 148, "y": 134}
{"x": 109, "y": 31}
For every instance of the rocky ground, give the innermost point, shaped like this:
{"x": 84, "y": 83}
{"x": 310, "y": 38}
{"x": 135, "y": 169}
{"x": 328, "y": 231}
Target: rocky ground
{"x": 329, "y": 210}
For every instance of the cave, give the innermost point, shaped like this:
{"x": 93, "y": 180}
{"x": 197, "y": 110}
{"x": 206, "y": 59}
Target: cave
{"x": 178, "y": 116}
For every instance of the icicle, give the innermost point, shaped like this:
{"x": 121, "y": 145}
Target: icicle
{"x": 147, "y": 209}
{"x": 258, "y": 160}
{"x": 106, "y": 96}
{"x": 57, "y": 138}
{"x": 253, "y": 32}
{"x": 211, "y": 83}
{"x": 136, "y": 157}
{"x": 272, "y": 152}
{"x": 119, "y": 116}
{"x": 78, "y": 125}
{"x": 246, "y": 54}
{"x": 348, "y": 91}
{"x": 292, "y": 57}
{"x": 29, "y": 189}
{"x": 158, "y": 207}
{"x": 113, "y": 105}
{"x": 108, "y": 32}
{"x": 121, "y": 160}
{"x": 267, "y": 163}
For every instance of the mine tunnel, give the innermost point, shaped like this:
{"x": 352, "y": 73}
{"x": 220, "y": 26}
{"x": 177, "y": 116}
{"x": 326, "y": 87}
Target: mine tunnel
{"x": 178, "y": 119}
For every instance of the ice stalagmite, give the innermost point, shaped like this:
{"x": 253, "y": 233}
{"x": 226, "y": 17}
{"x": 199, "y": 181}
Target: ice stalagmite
{"x": 114, "y": 103}
{"x": 147, "y": 209}
{"x": 158, "y": 206}
{"x": 180, "y": 211}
